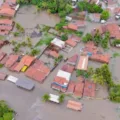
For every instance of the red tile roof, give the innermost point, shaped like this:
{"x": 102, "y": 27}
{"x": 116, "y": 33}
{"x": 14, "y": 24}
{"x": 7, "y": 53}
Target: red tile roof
{"x": 4, "y": 60}
{"x": 79, "y": 89}
{"x": 11, "y": 1}
{"x": 52, "y": 53}
{"x": 4, "y": 27}
{"x": 73, "y": 60}
{"x": 2, "y": 55}
{"x": 100, "y": 58}
{"x": 75, "y": 38}
{"x": 18, "y": 67}
{"x": 71, "y": 26}
{"x": 6, "y": 22}
{"x": 89, "y": 89}
{"x": 71, "y": 87}
{"x": 68, "y": 68}
{"x": 12, "y": 59}
{"x": 71, "y": 42}
{"x": 27, "y": 60}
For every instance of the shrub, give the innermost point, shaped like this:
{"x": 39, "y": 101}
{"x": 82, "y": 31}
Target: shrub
{"x": 16, "y": 34}
{"x": 64, "y": 37}
{"x": 105, "y": 15}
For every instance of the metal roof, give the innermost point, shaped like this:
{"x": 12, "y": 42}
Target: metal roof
{"x": 26, "y": 84}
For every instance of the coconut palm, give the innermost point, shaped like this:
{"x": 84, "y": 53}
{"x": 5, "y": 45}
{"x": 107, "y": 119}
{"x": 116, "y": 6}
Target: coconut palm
{"x": 45, "y": 98}
{"x": 61, "y": 98}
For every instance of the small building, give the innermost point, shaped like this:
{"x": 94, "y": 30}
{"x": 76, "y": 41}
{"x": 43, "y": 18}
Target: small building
{"x": 54, "y": 98}
{"x": 74, "y": 105}
{"x": 68, "y": 68}
{"x": 26, "y": 84}
{"x": 59, "y": 43}
{"x": 71, "y": 43}
{"x": 83, "y": 63}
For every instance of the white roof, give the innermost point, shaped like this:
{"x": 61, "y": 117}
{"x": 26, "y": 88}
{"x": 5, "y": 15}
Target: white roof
{"x": 12, "y": 79}
{"x": 54, "y": 98}
{"x": 58, "y": 42}
{"x": 64, "y": 74}
{"x": 68, "y": 18}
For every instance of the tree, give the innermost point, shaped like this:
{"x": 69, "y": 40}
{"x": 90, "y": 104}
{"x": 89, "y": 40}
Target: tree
{"x": 61, "y": 98}
{"x": 87, "y": 37}
{"x": 103, "y": 76}
{"x": 45, "y": 98}
{"x": 105, "y": 15}
{"x": 64, "y": 37}
{"x": 114, "y": 93}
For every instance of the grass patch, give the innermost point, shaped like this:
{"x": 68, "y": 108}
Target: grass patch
{"x": 1, "y": 65}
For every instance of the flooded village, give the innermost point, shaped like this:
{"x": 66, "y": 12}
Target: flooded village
{"x": 60, "y": 66}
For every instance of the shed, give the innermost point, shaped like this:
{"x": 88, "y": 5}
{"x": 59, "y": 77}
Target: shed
{"x": 57, "y": 42}
{"x": 74, "y": 105}
{"x": 26, "y": 84}
{"x": 54, "y": 98}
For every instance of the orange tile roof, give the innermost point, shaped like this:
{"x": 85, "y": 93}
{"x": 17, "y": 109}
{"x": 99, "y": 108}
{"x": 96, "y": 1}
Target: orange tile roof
{"x": 83, "y": 63}
{"x": 52, "y": 53}
{"x": 27, "y": 60}
{"x": 5, "y": 27}
{"x": 6, "y": 21}
{"x": 6, "y": 10}
{"x": 72, "y": 27}
{"x": 71, "y": 42}
{"x": 89, "y": 89}
{"x": 79, "y": 89}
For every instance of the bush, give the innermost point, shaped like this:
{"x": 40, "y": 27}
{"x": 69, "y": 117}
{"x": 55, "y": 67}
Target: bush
{"x": 105, "y": 15}
{"x": 16, "y": 34}
{"x": 34, "y": 52}
{"x": 64, "y": 37}
{"x": 19, "y": 27}
{"x": 87, "y": 37}
{"x": 1, "y": 65}
{"x": 114, "y": 93}
{"x": 116, "y": 42}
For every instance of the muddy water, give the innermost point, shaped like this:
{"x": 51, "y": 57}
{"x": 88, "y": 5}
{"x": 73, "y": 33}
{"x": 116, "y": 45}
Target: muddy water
{"x": 29, "y": 18}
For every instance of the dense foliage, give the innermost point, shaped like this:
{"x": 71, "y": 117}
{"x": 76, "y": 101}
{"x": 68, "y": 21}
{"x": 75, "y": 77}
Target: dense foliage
{"x": 62, "y": 7}
{"x": 103, "y": 76}
{"x": 91, "y": 8}
{"x": 114, "y": 93}
{"x": 116, "y": 42}
{"x": 105, "y": 15}
{"x": 98, "y": 39}
{"x": 5, "y": 112}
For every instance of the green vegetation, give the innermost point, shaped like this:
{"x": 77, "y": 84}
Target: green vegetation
{"x": 105, "y": 15}
{"x": 57, "y": 60}
{"x": 19, "y": 28}
{"x": 103, "y": 76}
{"x": 60, "y": 25}
{"x": 45, "y": 97}
{"x": 114, "y": 94}
{"x": 16, "y": 34}
{"x": 5, "y": 112}
{"x": 85, "y": 74}
{"x": 61, "y": 98}
{"x": 64, "y": 37}
{"x": 46, "y": 40}
{"x": 116, "y": 55}
{"x": 13, "y": 42}
{"x": 2, "y": 37}
{"x": 34, "y": 52}
{"x": 91, "y": 8}
{"x": 1, "y": 65}
{"x": 62, "y": 7}
{"x": 116, "y": 42}
{"x": 98, "y": 39}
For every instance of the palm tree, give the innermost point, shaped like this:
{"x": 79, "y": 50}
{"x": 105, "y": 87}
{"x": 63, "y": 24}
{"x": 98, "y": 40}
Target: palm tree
{"x": 45, "y": 97}
{"x": 61, "y": 98}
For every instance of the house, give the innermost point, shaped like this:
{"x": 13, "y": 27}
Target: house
{"x": 7, "y": 22}
{"x": 89, "y": 89}
{"x": 71, "y": 43}
{"x": 80, "y": 23}
{"x": 68, "y": 68}
{"x": 117, "y": 11}
{"x": 82, "y": 63}
{"x": 71, "y": 26}
{"x": 6, "y": 10}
